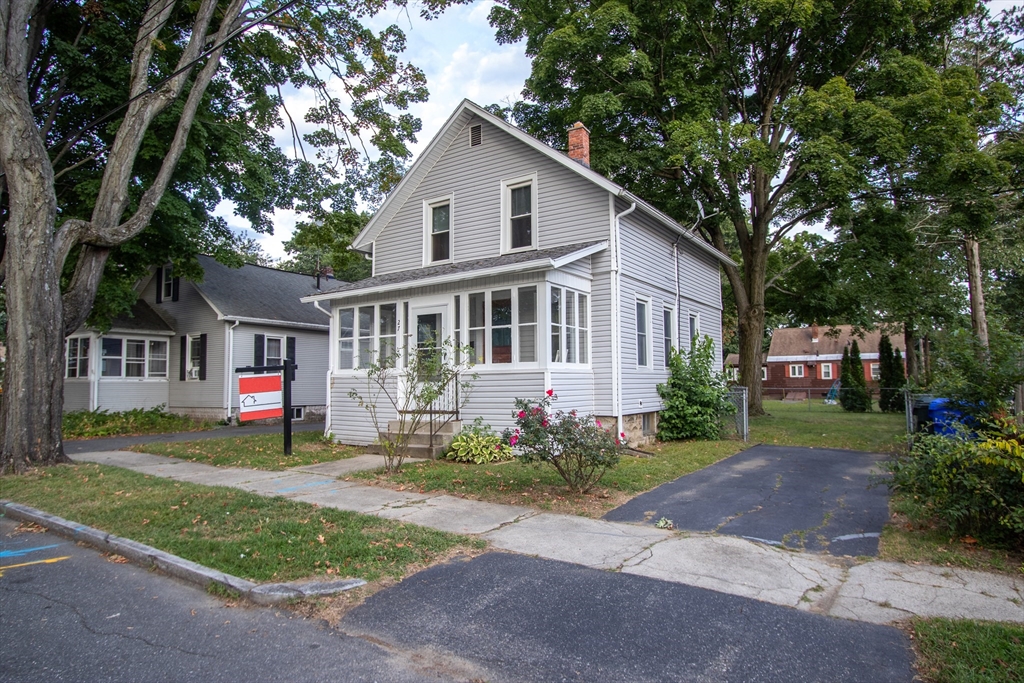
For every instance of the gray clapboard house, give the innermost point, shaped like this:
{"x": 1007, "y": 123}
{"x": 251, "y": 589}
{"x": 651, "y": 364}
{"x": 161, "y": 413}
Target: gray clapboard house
{"x": 183, "y": 340}
{"x": 555, "y": 276}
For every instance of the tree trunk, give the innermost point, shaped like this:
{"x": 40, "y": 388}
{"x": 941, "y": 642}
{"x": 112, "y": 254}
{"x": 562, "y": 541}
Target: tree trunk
{"x": 31, "y": 408}
{"x": 979, "y": 321}
{"x": 910, "y": 341}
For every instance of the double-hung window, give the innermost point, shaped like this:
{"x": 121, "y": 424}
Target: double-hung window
{"x": 876, "y": 371}
{"x": 437, "y": 218}
{"x": 519, "y": 213}
{"x": 157, "y": 359}
{"x": 195, "y": 356}
{"x": 643, "y": 333}
{"x": 112, "y": 357}
{"x": 826, "y": 371}
{"x": 135, "y": 358}
{"x": 668, "y": 325}
{"x": 77, "y": 364}
{"x": 274, "y": 347}
{"x": 796, "y": 370}
{"x": 366, "y": 345}
{"x": 694, "y": 325}
{"x": 167, "y": 285}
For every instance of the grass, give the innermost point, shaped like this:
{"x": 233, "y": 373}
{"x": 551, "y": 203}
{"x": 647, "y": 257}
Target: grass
{"x": 254, "y": 537}
{"x": 538, "y": 486}
{"x": 820, "y": 426}
{"x": 967, "y": 651}
{"x": 89, "y": 424}
{"x": 258, "y": 452}
{"x": 915, "y": 537}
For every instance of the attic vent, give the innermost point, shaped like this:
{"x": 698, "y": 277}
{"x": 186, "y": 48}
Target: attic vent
{"x": 474, "y": 136}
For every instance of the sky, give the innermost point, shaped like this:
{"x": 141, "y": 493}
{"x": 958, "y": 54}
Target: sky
{"x": 460, "y": 58}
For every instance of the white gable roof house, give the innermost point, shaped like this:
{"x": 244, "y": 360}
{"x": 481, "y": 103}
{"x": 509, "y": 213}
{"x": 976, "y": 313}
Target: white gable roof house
{"x": 555, "y": 276}
{"x": 183, "y": 340}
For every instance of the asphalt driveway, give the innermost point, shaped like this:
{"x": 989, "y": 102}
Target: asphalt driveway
{"x": 815, "y": 499}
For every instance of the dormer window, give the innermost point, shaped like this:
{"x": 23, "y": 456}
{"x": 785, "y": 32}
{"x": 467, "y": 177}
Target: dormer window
{"x": 437, "y": 220}
{"x": 167, "y": 286}
{"x": 519, "y": 214}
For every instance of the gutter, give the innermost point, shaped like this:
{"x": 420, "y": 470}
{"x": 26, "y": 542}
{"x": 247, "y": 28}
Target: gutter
{"x": 275, "y": 323}
{"x": 617, "y": 311}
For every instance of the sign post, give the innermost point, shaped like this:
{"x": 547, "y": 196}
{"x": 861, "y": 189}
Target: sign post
{"x": 263, "y": 396}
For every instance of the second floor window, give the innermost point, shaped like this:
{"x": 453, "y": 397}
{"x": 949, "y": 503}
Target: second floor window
{"x": 167, "y": 285}
{"x": 519, "y": 213}
{"x": 440, "y": 232}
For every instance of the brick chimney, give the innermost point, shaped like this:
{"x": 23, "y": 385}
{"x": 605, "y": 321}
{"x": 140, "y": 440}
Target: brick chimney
{"x": 579, "y": 144}
{"x": 814, "y": 333}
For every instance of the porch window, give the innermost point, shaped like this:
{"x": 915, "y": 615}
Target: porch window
{"x": 113, "y": 355}
{"x": 346, "y": 320}
{"x": 77, "y": 363}
{"x": 365, "y": 336}
{"x": 388, "y": 332}
{"x": 527, "y": 324}
{"x": 158, "y": 359}
{"x": 556, "y": 325}
{"x": 570, "y": 336}
{"x": 501, "y": 326}
{"x": 135, "y": 358}
{"x": 477, "y": 327}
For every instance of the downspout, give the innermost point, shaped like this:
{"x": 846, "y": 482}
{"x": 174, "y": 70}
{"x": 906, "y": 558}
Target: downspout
{"x": 675, "y": 254}
{"x": 616, "y": 325}
{"x": 94, "y": 372}
{"x": 331, "y": 350}
{"x": 229, "y": 370}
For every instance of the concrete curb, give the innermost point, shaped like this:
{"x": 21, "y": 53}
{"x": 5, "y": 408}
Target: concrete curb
{"x": 186, "y": 570}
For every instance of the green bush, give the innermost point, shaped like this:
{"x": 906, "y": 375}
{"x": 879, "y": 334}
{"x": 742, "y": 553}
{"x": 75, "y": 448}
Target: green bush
{"x": 478, "y": 444}
{"x": 973, "y": 485}
{"x": 853, "y": 394}
{"x": 579, "y": 448}
{"x": 81, "y": 424}
{"x": 978, "y": 381}
{"x": 892, "y": 377}
{"x": 695, "y": 397}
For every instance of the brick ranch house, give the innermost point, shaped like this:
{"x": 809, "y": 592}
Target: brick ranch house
{"x": 809, "y": 358}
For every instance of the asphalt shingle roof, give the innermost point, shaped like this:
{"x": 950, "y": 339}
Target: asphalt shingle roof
{"x": 260, "y": 293}
{"x": 796, "y": 341}
{"x": 142, "y": 318}
{"x": 467, "y": 267}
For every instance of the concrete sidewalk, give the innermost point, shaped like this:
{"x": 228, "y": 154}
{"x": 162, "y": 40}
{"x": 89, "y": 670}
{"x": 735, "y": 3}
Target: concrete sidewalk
{"x": 875, "y": 591}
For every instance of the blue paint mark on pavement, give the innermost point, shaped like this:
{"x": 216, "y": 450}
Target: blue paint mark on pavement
{"x": 26, "y": 551}
{"x": 303, "y": 486}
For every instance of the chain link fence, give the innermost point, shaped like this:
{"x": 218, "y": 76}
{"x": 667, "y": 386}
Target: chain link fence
{"x": 819, "y": 399}
{"x": 740, "y": 419}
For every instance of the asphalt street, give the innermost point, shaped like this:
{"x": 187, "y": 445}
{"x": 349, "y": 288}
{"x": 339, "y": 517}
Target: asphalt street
{"x": 70, "y": 614}
{"x": 804, "y": 498}
{"x": 116, "y": 443}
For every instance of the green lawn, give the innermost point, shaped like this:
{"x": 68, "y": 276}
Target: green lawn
{"x": 966, "y": 651}
{"x": 258, "y": 452}
{"x": 820, "y": 426}
{"x": 254, "y": 537}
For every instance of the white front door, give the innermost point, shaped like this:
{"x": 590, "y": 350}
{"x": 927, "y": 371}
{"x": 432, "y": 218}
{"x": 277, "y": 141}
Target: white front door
{"x": 429, "y": 329}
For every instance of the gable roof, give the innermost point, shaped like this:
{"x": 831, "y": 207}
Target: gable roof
{"x": 519, "y": 262}
{"x": 792, "y": 342}
{"x": 256, "y": 294}
{"x": 440, "y": 142}
{"x": 141, "y": 318}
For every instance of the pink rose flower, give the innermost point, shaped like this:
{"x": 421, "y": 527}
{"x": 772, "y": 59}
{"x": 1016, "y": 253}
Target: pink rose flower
{"x": 522, "y": 414}
{"x": 544, "y": 422}
{"x": 622, "y": 434}
{"x": 598, "y": 424}
{"x": 513, "y": 440}
{"x": 550, "y": 392}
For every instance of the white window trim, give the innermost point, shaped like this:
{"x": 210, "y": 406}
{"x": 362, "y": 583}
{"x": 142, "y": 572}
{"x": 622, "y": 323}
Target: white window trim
{"x": 674, "y": 331}
{"x": 564, "y": 328}
{"x": 794, "y": 366}
{"x": 124, "y": 358}
{"x": 188, "y": 358}
{"x": 506, "y": 206}
{"x": 696, "y": 316}
{"x": 764, "y": 373}
{"x": 649, "y": 333}
{"x": 829, "y": 366}
{"x": 542, "y": 326}
{"x": 88, "y": 352}
{"x": 428, "y": 205}
{"x": 167, "y": 285}
{"x": 266, "y": 353}
{"x": 374, "y": 338}
{"x": 876, "y": 372}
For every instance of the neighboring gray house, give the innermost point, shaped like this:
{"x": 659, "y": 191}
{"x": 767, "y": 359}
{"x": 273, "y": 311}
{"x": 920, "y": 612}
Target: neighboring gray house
{"x": 183, "y": 340}
{"x": 555, "y": 276}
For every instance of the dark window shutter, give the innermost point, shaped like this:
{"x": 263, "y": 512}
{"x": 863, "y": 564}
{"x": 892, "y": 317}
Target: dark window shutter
{"x": 183, "y": 361}
{"x": 174, "y": 288}
{"x": 259, "y": 347}
{"x": 159, "y": 285}
{"x": 202, "y": 355}
{"x": 290, "y": 352}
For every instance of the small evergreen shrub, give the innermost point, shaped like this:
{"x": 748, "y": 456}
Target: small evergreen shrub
{"x": 853, "y": 394}
{"x": 478, "y": 444}
{"x": 973, "y": 485}
{"x": 579, "y": 448}
{"x": 695, "y": 397}
{"x": 891, "y": 380}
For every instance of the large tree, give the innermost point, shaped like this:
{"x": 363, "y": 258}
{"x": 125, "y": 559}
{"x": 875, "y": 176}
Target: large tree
{"x": 98, "y": 105}
{"x": 746, "y": 107}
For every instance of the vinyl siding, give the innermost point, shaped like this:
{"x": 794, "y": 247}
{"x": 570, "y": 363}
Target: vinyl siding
{"x": 310, "y": 385}
{"x": 575, "y": 391}
{"x": 570, "y": 208}
{"x": 193, "y": 316}
{"x": 493, "y": 396}
{"x": 76, "y": 394}
{"x": 349, "y": 422}
{"x": 127, "y": 394}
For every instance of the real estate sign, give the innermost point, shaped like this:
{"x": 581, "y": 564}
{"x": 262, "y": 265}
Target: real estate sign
{"x": 259, "y": 397}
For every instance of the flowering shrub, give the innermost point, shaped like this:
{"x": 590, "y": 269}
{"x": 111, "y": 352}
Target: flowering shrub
{"x": 579, "y": 449}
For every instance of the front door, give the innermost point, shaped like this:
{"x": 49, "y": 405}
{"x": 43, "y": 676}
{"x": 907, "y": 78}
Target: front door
{"x": 428, "y": 334}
